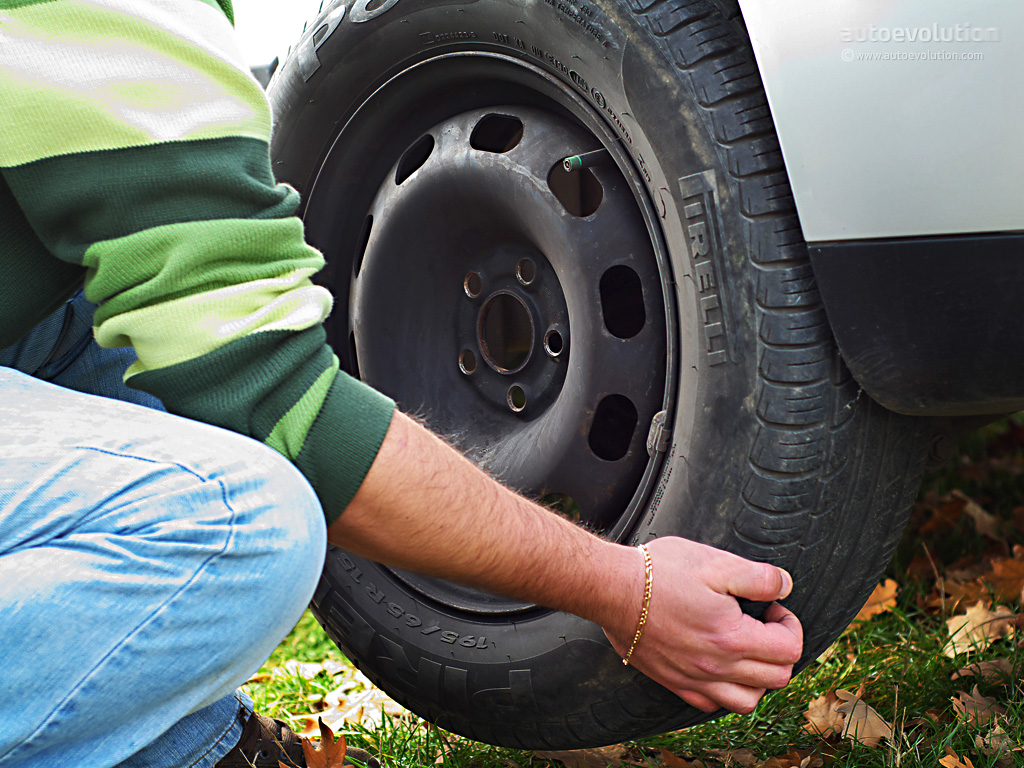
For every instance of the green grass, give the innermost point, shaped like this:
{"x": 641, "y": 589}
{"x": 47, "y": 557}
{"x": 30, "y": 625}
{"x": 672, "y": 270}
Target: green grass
{"x": 285, "y": 696}
{"x": 896, "y": 658}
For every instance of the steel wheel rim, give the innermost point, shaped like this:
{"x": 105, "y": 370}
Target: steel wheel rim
{"x": 566, "y": 318}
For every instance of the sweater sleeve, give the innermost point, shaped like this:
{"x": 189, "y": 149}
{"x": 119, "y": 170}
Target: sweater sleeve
{"x": 136, "y": 143}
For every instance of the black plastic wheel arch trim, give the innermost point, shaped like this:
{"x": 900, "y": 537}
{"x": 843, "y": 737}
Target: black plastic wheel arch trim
{"x": 929, "y": 326}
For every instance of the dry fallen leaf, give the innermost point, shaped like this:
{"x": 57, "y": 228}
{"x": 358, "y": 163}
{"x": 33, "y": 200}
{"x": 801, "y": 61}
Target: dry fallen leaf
{"x": 741, "y": 757}
{"x": 599, "y": 757}
{"x": 327, "y": 753}
{"x": 822, "y": 717}
{"x": 951, "y": 760}
{"x": 999, "y": 745}
{"x": 975, "y": 709}
{"x": 672, "y": 760}
{"x": 882, "y": 599}
{"x": 997, "y": 671}
{"x": 943, "y": 514}
{"x": 863, "y": 723}
{"x": 977, "y": 629}
{"x": 1006, "y": 577}
{"x": 950, "y": 592}
{"x": 795, "y": 759}
{"x": 985, "y": 523}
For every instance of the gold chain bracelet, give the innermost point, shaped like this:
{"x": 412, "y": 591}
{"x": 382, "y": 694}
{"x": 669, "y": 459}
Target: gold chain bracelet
{"x": 648, "y": 587}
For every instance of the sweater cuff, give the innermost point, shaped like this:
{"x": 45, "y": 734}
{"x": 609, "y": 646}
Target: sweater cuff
{"x": 343, "y": 442}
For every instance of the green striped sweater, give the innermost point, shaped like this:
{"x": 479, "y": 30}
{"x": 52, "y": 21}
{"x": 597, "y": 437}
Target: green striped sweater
{"x": 134, "y": 153}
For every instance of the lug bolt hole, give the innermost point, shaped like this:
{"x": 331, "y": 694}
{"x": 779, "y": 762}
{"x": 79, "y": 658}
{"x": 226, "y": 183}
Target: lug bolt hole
{"x": 526, "y": 272}
{"x": 516, "y": 398}
{"x": 473, "y": 285}
{"x": 553, "y": 343}
{"x": 467, "y": 362}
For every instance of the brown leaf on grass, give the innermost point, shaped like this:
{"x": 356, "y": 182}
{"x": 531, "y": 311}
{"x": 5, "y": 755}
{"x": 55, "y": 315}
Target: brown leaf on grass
{"x": 985, "y": 523}
{"x": 1006, "y": 576}
{"x": 822, "y": 717}
{"x": 1003, "y": 577}
{"x": 951, "y": 760}
{"x": 998, "y": 744}
{"x": 672, "y": 760}
{"x": 744, "y": 758}
{"x": 598, "y": 757}
{"x": 327, "y": 753}
{"x": 997, "y": 671}
{"x": 931, "y": 717}
{"x": 863, "y": 723}
{"x": 845, "y": 714}
{"x": 966, "y": 568}
{"x": 795, "y": 759}
{"x": 975, "y": 709}
{"x": 977, "y": 629}
{"x": 943, "y": 514}
{"x": 882, "y": 599}
{"x": 949, "y": 592}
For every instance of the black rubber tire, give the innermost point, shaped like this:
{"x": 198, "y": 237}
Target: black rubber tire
{"x": 775, "y": 453}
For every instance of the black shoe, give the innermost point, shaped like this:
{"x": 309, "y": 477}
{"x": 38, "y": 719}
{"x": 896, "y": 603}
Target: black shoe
{"x": 264, "y": 742}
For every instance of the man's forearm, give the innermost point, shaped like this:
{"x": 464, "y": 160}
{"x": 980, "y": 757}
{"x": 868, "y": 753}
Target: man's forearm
{"x": 467, "y": 527}
{"x": 424, "y": 507}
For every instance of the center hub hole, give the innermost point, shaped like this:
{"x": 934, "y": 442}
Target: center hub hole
{"x": 506, "y": 332}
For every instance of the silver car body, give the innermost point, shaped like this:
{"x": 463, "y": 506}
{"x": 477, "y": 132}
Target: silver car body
{"x": 897, "y": 118}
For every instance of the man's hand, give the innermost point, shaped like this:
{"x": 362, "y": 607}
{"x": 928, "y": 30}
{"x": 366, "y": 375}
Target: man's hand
{"x": 425, "y": 508}
{"x": 697, "y": 642}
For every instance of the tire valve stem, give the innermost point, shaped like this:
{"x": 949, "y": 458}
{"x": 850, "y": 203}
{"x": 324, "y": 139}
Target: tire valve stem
{"x": 587, "y": 159}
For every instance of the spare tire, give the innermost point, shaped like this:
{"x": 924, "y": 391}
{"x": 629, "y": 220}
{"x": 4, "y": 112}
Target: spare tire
{"x": 562, "y": 232}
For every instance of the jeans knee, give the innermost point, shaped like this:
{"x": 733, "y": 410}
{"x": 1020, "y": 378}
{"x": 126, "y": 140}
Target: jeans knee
{"x": 281, "y": 528}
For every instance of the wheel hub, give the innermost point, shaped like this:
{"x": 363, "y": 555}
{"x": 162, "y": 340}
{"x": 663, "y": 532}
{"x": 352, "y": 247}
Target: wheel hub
{"x": 502, "y": 329}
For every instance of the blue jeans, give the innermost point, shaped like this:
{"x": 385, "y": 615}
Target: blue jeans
{"x": 148, "y": 563}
